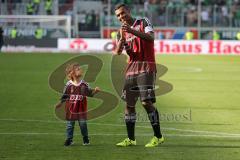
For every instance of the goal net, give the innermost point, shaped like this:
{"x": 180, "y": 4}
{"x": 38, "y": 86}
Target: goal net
{"x": 26, "y": 25}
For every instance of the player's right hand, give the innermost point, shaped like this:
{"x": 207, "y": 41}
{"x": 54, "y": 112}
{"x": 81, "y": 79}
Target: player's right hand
{"x": 122, "y": 35}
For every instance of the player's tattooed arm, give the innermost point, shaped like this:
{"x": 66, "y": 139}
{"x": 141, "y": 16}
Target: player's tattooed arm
{"x": 120, "y": 42}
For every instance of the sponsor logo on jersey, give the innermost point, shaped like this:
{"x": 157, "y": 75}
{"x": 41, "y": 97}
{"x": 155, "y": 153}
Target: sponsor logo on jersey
{"x": 74, "y": 97}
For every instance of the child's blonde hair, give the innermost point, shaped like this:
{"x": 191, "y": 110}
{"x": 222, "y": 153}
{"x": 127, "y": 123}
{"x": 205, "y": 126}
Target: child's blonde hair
{"x": 70, "y": 70}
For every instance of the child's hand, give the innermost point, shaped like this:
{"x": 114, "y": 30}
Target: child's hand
{"x": 96, "y": 90}
{"x": 59, "y": 105}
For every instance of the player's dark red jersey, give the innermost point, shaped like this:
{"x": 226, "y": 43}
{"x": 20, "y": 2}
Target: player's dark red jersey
{"x": 141, "y": 52}
{"x": 75, "y": 96}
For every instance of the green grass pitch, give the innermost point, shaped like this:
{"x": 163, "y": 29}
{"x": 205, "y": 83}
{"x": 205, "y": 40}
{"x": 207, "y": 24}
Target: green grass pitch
{"x": 200, "y": 116}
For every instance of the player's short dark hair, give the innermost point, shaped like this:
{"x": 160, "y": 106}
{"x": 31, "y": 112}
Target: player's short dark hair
{"x": 121, "y": 5}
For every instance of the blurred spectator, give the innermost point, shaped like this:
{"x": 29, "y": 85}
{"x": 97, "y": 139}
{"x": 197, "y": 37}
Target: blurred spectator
{"x": 36, "y": 5}
{"x": 162, "y": 2}
{"x": 220, "y": 2}
{"x": 220, "y": 14}
{"x": 82, "y": 20}
{"x": 146, "y": 8}
{"x": 205, "y": 17}
{"x": 1, "y": 38}
{"x": 97, "y": 22}
{"x": 38, "y": 33}
{"x": 30, "y": 7}
{"x": 91, "y": 20}
{"x": 188, "y": 35}
{"x": 216, "y": 35}
{"x": 238, "y": 36}
{"x": 14, "y": 33}
{"x": 217, "y": 17}
{"x": 161, "y": 35}
{"x": 70, "y": 13}
{"x": 128, "y": 2}
{"x": 114, "y": 35}
{"x": 161, "y": 16}
{"x": 236, "y": 17}
{"x": 192, "y": 17}
{"x": 225, "y": 15}
{"x": 170, "y": 10}
{"x": 48, "y": 7}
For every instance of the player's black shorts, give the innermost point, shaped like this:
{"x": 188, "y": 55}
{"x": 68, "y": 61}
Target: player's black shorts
{"x": 141, "y": 85}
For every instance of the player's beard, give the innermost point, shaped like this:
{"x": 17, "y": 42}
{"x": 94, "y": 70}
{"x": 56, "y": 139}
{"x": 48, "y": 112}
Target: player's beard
{"x": 124, "y": 20}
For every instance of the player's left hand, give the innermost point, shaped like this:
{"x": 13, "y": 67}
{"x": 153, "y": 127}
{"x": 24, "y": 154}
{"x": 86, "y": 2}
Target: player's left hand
{"x": 126, "y": 28}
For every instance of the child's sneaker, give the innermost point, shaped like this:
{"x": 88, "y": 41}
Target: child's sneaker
{"x": 68, "y": 142}
{"x": 86, "y": 141}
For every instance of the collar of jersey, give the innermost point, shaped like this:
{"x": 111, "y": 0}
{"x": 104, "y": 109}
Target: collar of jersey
{"x": 75, "y": 83}
{"x": 136, "y": 19}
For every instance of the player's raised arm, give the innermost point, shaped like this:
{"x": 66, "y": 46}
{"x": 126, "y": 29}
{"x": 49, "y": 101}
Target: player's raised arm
{"x": 120, "y": 42}
{"x": 148, "y": 33}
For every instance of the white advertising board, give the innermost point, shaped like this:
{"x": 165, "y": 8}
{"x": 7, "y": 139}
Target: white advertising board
{"x": 161, "y": 46}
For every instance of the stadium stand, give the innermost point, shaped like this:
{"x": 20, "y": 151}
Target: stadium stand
{"x": 90, "y": 16}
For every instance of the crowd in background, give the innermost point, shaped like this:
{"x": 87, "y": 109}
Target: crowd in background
{"x": 162, "y": 13}
{"x": 224, "y": 13}
{"x": 88, "y": 21}
{"x": 28, "y": 7}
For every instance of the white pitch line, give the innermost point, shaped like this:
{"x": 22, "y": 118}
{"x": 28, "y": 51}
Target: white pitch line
{"x": 29, "y": 120}
{"x": 113, "y": 134}
{"x": 211, "y": 132}
{"x": 119, "y": 125}
{"x": 176, "y": 129}
{"x": 188, "y": 69}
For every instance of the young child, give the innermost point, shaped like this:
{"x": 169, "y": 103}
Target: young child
{"x": 75, "y": 96}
